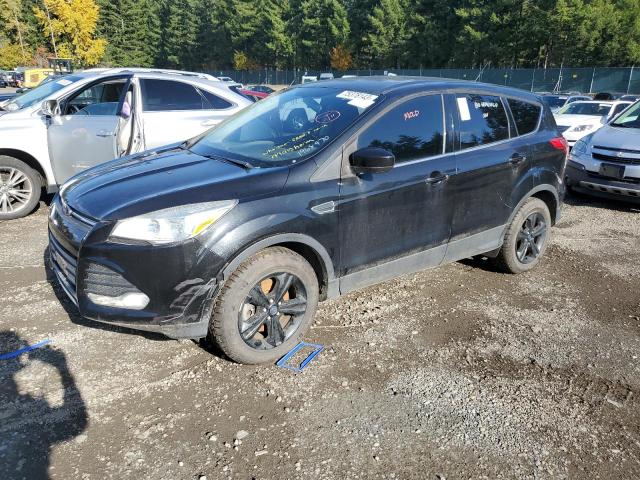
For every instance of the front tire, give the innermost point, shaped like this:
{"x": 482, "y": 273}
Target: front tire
{"x": 526, "y": 239}
{"x": 20, "y": 188}
{"x": 265, "y": 307}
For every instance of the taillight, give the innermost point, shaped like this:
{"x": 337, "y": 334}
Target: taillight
{"x": 560, "y": 143}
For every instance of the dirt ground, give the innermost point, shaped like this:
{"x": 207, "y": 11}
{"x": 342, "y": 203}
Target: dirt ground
{"x": 457, "y": 372}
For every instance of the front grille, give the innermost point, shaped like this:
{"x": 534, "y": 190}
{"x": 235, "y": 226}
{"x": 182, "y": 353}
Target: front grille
{"x": 615, "y": 159}
{"x": 101, "y": 280}
{"x": 65, "y": 266}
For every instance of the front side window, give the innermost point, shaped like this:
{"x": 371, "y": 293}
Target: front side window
{"x": 525, "y": 114}
{"x": 619, "y": 108}
{"x": 168, "y": 95}
{"x": 98, "y": 99}
{"x": 482, "y": 120}
{"x": 630, "y": 118}
{"x": 286, "y": 127}
{"x": 411, "y": 130}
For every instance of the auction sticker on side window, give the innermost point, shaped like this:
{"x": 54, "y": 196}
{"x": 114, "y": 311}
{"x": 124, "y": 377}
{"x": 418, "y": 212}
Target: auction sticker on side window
{"x": 358, "y": 99}
{"x": 463, "y": 108}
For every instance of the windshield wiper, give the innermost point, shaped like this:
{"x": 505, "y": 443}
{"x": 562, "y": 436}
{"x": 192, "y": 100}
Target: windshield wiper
{"x": 233, "y": 161}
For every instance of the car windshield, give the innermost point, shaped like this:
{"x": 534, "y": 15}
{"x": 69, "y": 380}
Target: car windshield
{"x": 583, "y": 108}
{"x": 40, "y": 93}
{"x": 286, "y": 127}
{"x": 630, "y": 118}
{"x": 554, "y": 101}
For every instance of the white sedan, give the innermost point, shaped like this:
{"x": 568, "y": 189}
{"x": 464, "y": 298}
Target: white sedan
{"x": 577, "y": 119}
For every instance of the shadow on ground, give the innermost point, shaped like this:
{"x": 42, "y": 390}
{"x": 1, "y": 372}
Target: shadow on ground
{"x": 31, "y": 426}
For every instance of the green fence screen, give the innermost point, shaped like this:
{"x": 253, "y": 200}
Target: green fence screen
{"x": 584, "y": 80}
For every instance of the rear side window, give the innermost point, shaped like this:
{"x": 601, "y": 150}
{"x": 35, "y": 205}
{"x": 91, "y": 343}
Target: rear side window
{"x": 214, "y": 102}
{"x": 482, "y": 120}
{"x": 525, "y": 114}
{"x": 411, "y": 130}
{"x": 166, "y": 95}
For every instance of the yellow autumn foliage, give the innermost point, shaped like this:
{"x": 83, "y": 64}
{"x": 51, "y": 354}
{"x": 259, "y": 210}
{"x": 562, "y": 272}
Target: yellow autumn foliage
{"x": 73, "y": 24}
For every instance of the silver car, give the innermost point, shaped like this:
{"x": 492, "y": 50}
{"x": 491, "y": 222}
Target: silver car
{"x": 607, "y": 163}
{"x": 80, "y": 120}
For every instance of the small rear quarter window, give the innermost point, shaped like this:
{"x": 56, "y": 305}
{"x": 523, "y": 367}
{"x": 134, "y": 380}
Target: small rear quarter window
{"x": 525, "y": 115}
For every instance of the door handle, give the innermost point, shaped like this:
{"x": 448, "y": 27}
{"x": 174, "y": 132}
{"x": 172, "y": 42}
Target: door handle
{"x": 436, "y": 178}
{"x": 209, "y": 123}
{"x": 104, "y": 133}
{"x": 517, "y": 159}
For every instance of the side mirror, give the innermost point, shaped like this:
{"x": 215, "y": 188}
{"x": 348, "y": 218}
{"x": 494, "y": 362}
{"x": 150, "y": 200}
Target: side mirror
{"x": 371, "y": 160}
{"x": 50, "y": 108}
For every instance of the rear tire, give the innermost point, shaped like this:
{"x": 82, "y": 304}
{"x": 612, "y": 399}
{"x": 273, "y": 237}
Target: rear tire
{"x": 526, "y": 239}
{"x": 20, "y": 188}
{"x": 274, "y": 285}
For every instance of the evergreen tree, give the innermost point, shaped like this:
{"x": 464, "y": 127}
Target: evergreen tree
{"x": 317, "y": 26}
{"x": 383, "y": 41}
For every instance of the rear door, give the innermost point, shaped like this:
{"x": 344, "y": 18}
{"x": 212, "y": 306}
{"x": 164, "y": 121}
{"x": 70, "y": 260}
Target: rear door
{"x": 174, "y": 111}
{"x": 492, "y": 164}
{"x": 387, "y": 216}
{"x": 85, "y": 132}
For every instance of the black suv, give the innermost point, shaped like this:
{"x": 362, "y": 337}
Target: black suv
{"x": 309, "y": 194}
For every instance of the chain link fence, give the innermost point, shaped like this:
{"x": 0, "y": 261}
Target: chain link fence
{"x": 584, "y": 80}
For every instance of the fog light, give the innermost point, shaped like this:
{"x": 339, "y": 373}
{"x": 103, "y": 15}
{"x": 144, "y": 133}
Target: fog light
{"x": 131, "y": 300}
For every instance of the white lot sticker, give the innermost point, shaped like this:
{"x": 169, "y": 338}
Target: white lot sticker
{"x": 64, "y": 82}
{"x": 463, "y": 108}
{"x": 358, "y": 99}
{"x": 360, "y": 103}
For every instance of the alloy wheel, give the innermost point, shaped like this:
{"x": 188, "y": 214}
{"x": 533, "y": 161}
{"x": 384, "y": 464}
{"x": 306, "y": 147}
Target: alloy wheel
{"x": 272, "y": 311}
{"x": 15, "y": 190}
{"x": 531, "y": 238}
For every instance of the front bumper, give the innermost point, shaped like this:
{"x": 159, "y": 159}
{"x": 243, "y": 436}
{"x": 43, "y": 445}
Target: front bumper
{"x": 585, "y": 181}
{"x": 180, "y": 280}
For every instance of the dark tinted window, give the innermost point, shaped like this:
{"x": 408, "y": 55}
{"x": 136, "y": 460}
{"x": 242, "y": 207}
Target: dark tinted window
{"x": 482, "y": 120}
{"x": 525, "y": 115}
{"x": 411, "y": 130}
{"x": 214, "y": 102}
{"x": 162, "y": 95}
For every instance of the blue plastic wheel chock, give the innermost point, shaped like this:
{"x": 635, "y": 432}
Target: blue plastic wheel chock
{"x": 283, "y": 362}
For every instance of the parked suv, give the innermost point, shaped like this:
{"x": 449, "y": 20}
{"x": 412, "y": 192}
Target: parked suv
{"x": 306, "y": 195}
{"x": 80, "y": 120}
{"x": 607, "y": 162}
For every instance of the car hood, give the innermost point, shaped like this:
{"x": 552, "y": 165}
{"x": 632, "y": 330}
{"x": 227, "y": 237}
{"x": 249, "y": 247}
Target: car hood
{"x": 156, "y": 180}
{"x": 617, "y": 138}
{"x": 571, "y": 120}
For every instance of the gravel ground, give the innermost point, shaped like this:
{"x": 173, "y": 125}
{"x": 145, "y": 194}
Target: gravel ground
{"x": 457, "y": 372}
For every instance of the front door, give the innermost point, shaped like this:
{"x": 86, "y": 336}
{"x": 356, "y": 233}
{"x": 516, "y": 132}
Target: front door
{"x": 85, "y": 133}
{"x": 399, "y": 221}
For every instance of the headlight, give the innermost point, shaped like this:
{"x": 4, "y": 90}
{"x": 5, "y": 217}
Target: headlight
{"x": 581, "y": 147}
{"x": 171, "y": 225}
{"x": 582, "y": 128}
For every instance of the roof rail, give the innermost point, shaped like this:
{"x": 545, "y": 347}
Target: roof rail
{"x": 183, "y": 73}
